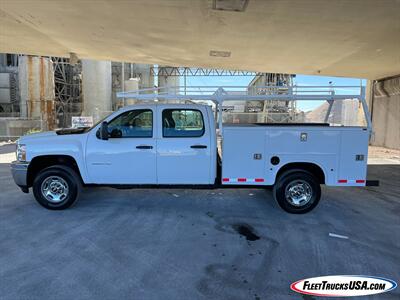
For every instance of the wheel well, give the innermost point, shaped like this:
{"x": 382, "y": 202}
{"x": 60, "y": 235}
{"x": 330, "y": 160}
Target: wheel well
{"x": 309, "y": 167}
{"x": 41, "y": 162}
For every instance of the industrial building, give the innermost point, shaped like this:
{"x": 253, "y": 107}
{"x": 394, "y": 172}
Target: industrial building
{"x": 44, "y": 93}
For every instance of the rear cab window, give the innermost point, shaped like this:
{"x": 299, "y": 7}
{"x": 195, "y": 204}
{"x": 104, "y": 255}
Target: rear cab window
{"x": 182, "y": 123}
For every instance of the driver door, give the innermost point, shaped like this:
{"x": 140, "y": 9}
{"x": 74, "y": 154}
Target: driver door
{"x": 129, "y": 155}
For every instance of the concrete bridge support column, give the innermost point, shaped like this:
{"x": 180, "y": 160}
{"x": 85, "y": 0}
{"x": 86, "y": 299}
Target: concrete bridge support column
{"x": 166, "y": 81}
{"x": 385, "y": 110}
{"x": 96, "y": 88}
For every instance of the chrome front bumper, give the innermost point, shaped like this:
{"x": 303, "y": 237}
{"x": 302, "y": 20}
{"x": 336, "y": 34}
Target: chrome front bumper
{"x": 19, "y": 172}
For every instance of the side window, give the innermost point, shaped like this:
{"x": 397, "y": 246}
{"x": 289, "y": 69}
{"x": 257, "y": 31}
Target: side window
{"x": 182, "y": 123}
{"x": 134, "y": 123}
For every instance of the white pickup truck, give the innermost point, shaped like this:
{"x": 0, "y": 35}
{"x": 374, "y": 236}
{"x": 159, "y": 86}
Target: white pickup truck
{"x": 175, "y": 145}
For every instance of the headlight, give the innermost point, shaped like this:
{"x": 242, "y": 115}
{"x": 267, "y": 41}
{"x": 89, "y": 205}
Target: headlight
{"x": 21, "y": 152}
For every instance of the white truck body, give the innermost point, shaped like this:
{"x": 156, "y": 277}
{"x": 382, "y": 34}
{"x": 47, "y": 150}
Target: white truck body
{"x": 333, "y": 149}
{"x": 147, "y": 144}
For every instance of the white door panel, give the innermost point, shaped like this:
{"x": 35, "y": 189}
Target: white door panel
{"x": 354, "y": 143}
{"x": 244, "y": 156}
{"x": 123, "y": 160}
{"x": 184, "y": 159}
{"x": 178, "y": 163}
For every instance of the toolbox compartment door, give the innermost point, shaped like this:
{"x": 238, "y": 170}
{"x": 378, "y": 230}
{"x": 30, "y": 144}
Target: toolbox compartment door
{"x": 243, "y": 156}
{"x": 353, "y": 156}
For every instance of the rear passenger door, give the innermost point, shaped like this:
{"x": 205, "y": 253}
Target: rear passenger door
{"x": 183, "y": 148}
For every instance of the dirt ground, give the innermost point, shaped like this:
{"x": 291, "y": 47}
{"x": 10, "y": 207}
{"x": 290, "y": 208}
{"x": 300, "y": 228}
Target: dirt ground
{"x": 381, "y": 155}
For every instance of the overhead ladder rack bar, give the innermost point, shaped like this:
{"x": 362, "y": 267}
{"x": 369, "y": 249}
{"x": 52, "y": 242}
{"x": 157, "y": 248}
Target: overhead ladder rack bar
{"x": 220, "y": 94}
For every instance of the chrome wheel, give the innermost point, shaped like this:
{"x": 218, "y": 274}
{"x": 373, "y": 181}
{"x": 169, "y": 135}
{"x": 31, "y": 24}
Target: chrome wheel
{"x": 54, "y": 189}
{"x": 298, "y": 192}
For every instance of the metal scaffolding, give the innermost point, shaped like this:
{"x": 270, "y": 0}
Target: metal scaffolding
{"x": 278, "y": 84}
{"x": 68, "y": 90}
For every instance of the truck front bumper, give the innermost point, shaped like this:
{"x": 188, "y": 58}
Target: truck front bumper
{"x": 19, "y": 171}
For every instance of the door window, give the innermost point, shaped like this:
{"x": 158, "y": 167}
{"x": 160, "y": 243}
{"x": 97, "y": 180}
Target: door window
{"x": 133, "y": 123}
{"x": 182, "y": 123}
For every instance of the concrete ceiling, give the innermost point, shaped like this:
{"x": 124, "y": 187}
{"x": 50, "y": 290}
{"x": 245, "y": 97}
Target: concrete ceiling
{"x": 354, "y": 38}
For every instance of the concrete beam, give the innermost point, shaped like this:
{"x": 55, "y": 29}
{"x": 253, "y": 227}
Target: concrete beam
{"x": 357, "y": 38}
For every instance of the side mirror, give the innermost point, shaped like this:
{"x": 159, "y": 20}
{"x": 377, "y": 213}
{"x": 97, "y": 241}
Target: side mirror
{"x": 103, "y": 132}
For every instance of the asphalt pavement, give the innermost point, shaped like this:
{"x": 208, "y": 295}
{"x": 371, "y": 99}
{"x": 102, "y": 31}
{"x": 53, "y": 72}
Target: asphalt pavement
{"x": 194, "y": 244}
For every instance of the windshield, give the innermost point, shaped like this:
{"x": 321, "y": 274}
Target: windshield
{"x": 97, "y": 123}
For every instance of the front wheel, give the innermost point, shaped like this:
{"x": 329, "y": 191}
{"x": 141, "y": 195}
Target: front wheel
{"x": 56, "y": 187}
{"x": 297, "y": 192}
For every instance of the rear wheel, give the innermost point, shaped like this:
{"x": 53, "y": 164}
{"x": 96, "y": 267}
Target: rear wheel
{"x": 297, "y": 192}
{"x": 56, "y": 187}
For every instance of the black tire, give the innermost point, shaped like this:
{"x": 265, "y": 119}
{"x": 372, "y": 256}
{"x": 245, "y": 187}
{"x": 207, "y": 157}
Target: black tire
{"x": 309, "y": 188}
{"x": 69, "y": 178}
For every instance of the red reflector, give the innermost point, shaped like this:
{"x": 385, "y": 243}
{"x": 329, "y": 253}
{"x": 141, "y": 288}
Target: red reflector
{"x": 225, "y": 179}
{"x": 342, "y": 180}
{"x": 259, "y": 180}
{"x": 241, "y": 179}
{"x": 360, "y": 181}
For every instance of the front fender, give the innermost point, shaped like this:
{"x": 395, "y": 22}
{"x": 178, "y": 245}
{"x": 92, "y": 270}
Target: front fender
{"x": 68, "y": 145}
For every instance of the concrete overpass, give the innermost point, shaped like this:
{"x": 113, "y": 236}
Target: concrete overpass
{"x": 358, "y": 38}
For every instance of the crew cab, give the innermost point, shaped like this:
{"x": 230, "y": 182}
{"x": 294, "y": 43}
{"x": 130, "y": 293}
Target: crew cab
{"x": 175, "y": 145}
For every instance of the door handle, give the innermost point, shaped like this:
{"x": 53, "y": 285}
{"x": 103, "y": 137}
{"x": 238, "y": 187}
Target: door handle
{"x": 144, "y": 147}
{"x": 198, "y": 146}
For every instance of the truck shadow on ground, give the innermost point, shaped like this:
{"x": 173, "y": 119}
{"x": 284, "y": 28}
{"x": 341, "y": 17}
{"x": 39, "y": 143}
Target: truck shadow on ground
{"x": 178, "y": 200}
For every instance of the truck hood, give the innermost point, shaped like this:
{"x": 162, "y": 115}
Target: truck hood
{"x": 48, "y": 134}
{"x": 29, "y": 137}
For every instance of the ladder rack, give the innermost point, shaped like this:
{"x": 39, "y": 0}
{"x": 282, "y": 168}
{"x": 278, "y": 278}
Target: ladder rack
{"x": 220, "y": 94}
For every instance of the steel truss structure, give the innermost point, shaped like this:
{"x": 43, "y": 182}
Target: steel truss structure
{"x": 184, "y": 71}
{"x": 68, "y": 90}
